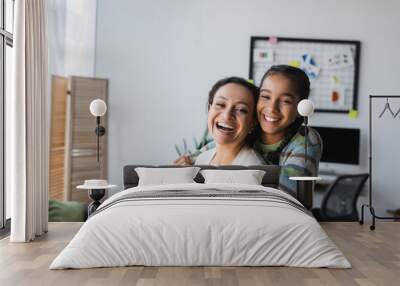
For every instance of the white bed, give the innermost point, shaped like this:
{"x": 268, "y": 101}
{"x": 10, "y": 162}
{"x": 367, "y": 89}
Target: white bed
{"x": 250, "y": 225}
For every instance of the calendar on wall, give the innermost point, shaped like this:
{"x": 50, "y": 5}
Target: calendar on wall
{"x": 331, "y": 65}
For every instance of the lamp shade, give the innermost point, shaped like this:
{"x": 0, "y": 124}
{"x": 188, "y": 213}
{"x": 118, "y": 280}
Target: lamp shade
{"x": 98, "y": 107}
{"x": 305, "y": 107}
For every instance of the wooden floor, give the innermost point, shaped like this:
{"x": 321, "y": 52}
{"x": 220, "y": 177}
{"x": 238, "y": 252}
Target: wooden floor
{"x": 375, "y": 256}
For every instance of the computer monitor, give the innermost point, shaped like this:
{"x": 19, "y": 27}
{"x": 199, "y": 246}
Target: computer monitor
{"x": 340, "y": 145}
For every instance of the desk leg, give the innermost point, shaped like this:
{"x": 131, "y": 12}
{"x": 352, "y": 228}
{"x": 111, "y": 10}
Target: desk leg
{"x": 305, "y": 193}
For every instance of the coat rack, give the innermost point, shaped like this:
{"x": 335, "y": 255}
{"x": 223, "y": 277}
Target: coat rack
{"x": 388, "y": 109}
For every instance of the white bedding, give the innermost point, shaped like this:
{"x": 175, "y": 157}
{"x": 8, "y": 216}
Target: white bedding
{"x": 182, "y": 231}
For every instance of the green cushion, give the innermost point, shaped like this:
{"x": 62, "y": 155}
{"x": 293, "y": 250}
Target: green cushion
{"x": 67, "y": 211}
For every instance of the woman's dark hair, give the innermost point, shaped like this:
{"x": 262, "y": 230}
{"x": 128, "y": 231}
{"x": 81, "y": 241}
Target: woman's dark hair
{"x": 301, "y": 85}
{"x": 254, "y": 91}
{"x": 236, "y": 80}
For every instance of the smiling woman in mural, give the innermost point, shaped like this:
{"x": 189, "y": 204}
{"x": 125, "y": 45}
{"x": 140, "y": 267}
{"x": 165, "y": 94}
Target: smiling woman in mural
{"x": 278, "y": 138}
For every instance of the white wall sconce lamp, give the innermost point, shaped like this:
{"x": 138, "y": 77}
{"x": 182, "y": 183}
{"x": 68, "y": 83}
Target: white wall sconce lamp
{"x": 98, "y": 108}
{"x": 305, "y": 184}
{"x": 305, "y": 109}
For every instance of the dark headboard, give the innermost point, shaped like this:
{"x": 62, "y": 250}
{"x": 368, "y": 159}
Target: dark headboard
{"x": 271, "y": 177}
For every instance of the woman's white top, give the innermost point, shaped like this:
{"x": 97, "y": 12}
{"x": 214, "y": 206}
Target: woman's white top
{"x": 246, "y": 157}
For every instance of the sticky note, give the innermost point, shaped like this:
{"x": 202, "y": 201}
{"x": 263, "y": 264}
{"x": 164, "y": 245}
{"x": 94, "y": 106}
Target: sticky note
{"x": 353, "y": 114}
{"x": 250, "y": 81}
{"x": 334, "y": 96}
{"x": 294, "y": 63}
{"x": 273, "y": 40}
{"x": 261, "y": 55}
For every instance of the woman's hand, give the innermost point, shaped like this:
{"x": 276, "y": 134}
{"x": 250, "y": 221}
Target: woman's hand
{"x": 183, "y": 161}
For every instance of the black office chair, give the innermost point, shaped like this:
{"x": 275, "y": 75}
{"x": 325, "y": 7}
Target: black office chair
{"x": 340, "y": 201}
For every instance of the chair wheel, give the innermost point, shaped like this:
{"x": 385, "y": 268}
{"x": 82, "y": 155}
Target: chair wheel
{"x": 372, "y": 227}
{"x": 361, "y": 222}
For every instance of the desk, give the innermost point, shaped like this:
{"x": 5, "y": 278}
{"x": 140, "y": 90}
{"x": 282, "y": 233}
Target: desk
{"x": 327, "y": 178}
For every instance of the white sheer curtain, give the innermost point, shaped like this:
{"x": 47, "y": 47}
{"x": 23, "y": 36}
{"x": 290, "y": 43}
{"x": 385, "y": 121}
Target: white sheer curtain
{"x": 29, "y": 123}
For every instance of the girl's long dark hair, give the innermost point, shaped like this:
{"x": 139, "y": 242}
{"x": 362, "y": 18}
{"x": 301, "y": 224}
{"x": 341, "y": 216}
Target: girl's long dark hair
{"x": 301, "y": 84}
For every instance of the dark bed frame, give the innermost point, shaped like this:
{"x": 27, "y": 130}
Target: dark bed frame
{"x": 270, "y": 179}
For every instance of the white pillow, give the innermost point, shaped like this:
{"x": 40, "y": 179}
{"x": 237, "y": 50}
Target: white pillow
{"x": 163, "y": 176}
{"x": 248, "y": 177}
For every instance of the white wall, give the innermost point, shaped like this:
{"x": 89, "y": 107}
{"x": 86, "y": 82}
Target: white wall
{"x": 161, "y": 58}
{"x": 71, "y": 37}
{"x": 56, "y": 26}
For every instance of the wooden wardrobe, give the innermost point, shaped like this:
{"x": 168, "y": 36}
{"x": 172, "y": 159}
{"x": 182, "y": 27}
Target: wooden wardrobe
{"x": 73, "y": 156}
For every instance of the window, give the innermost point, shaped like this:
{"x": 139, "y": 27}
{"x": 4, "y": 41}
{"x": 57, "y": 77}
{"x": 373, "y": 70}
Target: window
{"x": 6, "y": 43}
